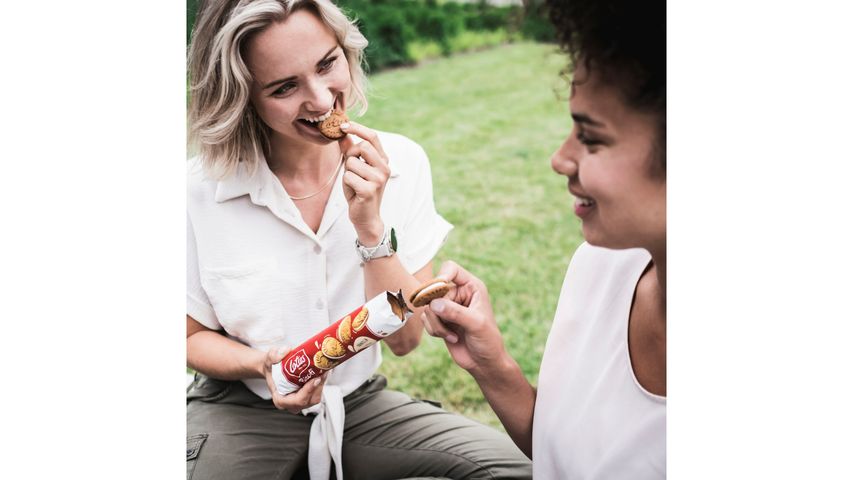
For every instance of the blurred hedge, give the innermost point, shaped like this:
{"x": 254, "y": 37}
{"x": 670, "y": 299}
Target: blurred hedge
{"x": 403, "y": 32}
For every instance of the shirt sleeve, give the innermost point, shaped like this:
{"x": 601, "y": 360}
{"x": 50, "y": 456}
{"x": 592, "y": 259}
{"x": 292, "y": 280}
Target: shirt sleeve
{"x": 424, "y": 230}
{"x": 198, "y": 305}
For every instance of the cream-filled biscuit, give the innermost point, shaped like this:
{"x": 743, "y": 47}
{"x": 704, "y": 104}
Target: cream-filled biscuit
{"x": 435, "y": 288}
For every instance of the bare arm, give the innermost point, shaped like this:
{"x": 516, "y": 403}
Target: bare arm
{"x": 387, "y": 273}
{"x": 512, "y": 398}
{"x": 217, "y": 356}
{"x": 464, "y": 319}
{"x": 366, "y": 175}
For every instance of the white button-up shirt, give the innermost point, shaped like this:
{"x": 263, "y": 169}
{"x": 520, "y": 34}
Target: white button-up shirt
{"x": 257, "y": 271}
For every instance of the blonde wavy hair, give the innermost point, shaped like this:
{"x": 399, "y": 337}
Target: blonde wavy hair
{"x": 222, "y": 122}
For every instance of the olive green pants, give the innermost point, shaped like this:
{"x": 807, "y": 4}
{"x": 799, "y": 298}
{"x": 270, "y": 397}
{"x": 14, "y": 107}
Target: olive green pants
{"x": 234, "y": 434}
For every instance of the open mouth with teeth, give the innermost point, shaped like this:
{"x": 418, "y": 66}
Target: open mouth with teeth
{"x": 316, "y": 121}
{"x": 584, "y": 202}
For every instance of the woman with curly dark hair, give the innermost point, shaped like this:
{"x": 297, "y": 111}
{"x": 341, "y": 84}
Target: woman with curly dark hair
{"x": 600, "y": 408}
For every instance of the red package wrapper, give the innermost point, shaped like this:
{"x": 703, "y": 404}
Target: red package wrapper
{"x": 340, "y": 341}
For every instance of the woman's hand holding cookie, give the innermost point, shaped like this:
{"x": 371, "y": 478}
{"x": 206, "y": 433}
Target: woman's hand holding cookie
{"x": 466, "y": 313}
{"x": 309, "y": 395}
{"x": 366, "y": 175}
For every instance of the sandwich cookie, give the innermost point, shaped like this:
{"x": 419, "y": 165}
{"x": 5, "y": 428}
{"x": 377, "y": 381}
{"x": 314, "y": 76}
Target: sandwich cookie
{"x": 435, "y": 288}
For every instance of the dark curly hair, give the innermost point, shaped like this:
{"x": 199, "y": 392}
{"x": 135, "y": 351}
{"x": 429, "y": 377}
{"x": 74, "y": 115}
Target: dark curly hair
{"x": 624, "y": 41}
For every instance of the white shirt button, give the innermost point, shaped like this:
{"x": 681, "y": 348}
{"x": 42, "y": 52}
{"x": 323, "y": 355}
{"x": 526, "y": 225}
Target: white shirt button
{"x": 317, "y": 249}
{"x": 320, "y": 304}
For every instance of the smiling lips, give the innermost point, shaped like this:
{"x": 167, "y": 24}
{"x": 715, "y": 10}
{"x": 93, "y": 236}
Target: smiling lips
{"x": 317, "y": 119}
{"x": 583, "y": 205}
{"x": 584, "y": 202}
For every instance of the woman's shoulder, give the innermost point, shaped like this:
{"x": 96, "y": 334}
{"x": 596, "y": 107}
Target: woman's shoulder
{"x": 592, "y": 261}
{"x": 597, "y": 275}
{"x": 199, "y": 182}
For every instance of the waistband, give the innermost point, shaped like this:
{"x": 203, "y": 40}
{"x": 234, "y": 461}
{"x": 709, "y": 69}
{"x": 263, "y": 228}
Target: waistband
{"x": 208, "y": 389}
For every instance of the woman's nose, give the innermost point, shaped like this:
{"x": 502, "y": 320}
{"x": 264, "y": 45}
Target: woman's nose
{"x": 563, "y": 161}
{"x": 318, "y": 96}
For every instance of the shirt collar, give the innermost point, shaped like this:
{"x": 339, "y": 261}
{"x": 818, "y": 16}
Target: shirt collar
{"x": 242, "y": 182}
{"x": 254, "y": 184}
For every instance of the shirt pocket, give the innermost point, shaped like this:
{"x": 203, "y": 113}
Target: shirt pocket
{"x": 247, "y": 299}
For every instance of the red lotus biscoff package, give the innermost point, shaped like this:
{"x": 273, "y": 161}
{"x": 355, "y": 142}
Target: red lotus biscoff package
{"x": 335, "y": 344}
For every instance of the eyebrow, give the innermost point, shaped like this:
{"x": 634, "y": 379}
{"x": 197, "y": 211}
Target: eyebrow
{"x": 584, "y": 119}
{"x": 293, "y": 77}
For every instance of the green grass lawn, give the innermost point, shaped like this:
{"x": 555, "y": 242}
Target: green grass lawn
{"x": 489, "y": 122}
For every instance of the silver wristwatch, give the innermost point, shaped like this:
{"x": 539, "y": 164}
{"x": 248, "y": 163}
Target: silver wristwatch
{"x": 387, "y": 247}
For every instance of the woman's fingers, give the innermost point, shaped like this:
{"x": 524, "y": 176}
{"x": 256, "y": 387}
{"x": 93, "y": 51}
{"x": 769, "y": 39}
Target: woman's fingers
{"x": 370, "y": 155}
{"x": 453, "y": 313}
{"x": 317, "y": 395}
{"x": 365, "y": 171}
{"x": 275, "y": 355}
{"x": 346, "y": 143}
{"x": 278, "y": 355}
{"x": 359, "y": 186}
{"x": 310, "y": 394}
{"x": 364, "y": 133}
{"x": 454, "y": 273}
{"x": 436, "y": 328}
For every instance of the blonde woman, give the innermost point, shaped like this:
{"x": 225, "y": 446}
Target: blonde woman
{"x": 288, "y": 231}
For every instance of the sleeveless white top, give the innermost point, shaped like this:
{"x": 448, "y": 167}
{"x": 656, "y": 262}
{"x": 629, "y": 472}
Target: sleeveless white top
{"x": 593, "y": 420}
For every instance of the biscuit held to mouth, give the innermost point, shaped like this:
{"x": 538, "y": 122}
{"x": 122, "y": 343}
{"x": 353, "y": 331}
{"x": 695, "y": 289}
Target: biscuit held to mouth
{"x": 429, "y": 291}
{"x": 331, "y": 127}
{"x": 329, "y": 123}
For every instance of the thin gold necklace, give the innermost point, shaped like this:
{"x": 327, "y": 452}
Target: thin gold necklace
{"x": 335, "y": 174}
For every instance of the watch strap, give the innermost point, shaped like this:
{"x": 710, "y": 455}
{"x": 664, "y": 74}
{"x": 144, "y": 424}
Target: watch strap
{"x": 385, "y": 248}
